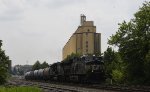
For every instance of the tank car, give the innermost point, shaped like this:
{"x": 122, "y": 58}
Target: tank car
{"x": 40, "y": 74}
{"x": 27, "y": 75}
{"x": 31, "y": 75}
{"x": 46, "y": 74}
{"x": 36, "y": 74}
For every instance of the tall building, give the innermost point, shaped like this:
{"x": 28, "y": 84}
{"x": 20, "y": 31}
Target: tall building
{"x": 84, "y": 40}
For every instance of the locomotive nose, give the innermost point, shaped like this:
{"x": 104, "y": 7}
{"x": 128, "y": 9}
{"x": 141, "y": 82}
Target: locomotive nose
{"x": 95, "y": 68}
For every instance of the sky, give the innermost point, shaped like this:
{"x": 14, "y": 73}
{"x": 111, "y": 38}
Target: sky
{"x": 34, "y": 30}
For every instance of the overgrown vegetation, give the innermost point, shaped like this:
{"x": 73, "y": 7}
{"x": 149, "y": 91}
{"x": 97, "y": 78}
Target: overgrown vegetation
{"x": 131, "y": 63}
{"x": 4, "y": 65}
{"x": 114, "y": 68}
{"x": 20, "y": 89}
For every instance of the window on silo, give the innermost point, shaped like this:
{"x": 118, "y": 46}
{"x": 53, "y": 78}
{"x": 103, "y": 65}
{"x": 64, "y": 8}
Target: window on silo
{"x": 86, "y": 34}
{"x": 86, "y": 50}
{"x": 86, "y": 42}
{"x": 86, "y": 45}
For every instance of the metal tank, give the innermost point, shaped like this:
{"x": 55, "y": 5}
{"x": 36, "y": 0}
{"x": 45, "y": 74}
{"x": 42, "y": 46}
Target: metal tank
{"x": 36, "y": 74}
{"x": 31, "y": 75}
{"x": 27, "y": 75}
{"x": 40, "y": 74}
{"x": 46, "y": 74}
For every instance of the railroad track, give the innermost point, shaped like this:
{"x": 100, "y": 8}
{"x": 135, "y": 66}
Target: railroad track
{"x": 58, "y": 87}
{"x": 45, "y": 86}
{"x": 112, "y": 88}
{"x": 48, "y": 87}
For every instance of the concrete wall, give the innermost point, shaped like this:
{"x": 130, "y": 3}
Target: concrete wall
{"x": 85, "y": 40}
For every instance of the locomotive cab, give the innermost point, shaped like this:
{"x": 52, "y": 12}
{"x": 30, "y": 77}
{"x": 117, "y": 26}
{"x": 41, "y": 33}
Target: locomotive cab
{"x": 95, "y": 69}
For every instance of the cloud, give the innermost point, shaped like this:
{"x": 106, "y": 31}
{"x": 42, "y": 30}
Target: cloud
{"x": 52, "y": 4}
{"x": 10, "y": 10}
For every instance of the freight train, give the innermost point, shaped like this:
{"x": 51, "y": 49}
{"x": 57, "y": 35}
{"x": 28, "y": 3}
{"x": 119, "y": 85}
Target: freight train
{"x": 78, "y": 69}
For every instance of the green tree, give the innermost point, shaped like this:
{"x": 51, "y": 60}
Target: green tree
{"x": 147, "y": 68}
{"x": 133, "y": 40}
{"x": 109, "y": 56}
{"x": 4, "y": 65}
{"x": 36, "y": 66}
{"x": 44, "y": 65}
{"x": 117, "y": 76}
{"x": 113, "y": 66}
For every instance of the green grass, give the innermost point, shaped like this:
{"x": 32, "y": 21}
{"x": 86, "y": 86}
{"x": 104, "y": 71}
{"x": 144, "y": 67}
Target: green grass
{"x": 20, "y": 89}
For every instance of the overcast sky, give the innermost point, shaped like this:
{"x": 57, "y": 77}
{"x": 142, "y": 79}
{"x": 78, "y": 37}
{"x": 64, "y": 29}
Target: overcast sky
{"x": 38, "y": 29}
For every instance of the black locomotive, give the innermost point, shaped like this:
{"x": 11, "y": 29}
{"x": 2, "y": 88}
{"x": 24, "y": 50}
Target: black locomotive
{"x": 84, "y": 69}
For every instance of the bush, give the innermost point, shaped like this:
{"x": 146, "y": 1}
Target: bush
{"x": 117, "y": 76}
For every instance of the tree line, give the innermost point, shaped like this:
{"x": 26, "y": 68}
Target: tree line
{"x": 39, "y": 65}
{"x": 131, "y": 63}
{"x": 4, "y": 65}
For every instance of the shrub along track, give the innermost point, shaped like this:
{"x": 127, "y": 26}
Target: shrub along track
{"x": 71, "y": 87}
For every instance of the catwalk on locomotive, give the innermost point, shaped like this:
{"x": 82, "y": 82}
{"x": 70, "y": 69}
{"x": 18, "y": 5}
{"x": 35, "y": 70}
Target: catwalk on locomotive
{"x": 78, "y": 69}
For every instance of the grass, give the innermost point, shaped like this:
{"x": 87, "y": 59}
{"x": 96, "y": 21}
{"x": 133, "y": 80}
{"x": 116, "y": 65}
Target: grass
{"x": 20, "y": 89}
